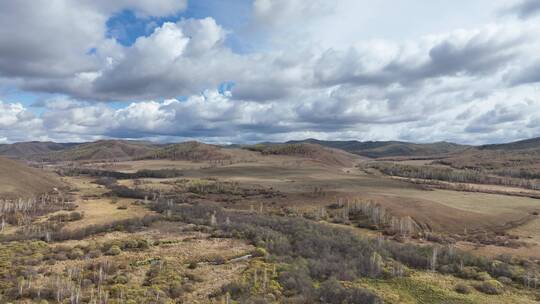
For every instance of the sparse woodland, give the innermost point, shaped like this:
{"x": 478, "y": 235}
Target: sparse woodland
{"x": 523, "y": 179}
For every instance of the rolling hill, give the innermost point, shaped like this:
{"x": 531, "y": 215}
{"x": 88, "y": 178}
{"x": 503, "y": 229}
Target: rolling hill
{"x": 325, "y": 155}
{"x": 190, "y": 151}
{"x": 100, "y": 150}
{"x": 376, "y": 149}
{"x": 28, "y": 149}
{"x": 527, "y": 144}
{"x": 20, "y": 181}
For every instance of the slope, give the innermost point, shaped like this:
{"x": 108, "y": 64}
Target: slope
{"x": 18, "y": 180}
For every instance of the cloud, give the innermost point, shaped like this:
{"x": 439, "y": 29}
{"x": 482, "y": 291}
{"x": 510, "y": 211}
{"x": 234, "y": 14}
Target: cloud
{"x": 144, "y": 8}
{"x": 526, "y": 74}
{"x": 17, "y": 123}
{"x": 460, "y": 53}
{"x": 338, "y": 113}
{"x": 278, "y": 13}
{"x": 313, "y": 71}
{"x": 525, "y": 9}
{"x": 55, "y": 38}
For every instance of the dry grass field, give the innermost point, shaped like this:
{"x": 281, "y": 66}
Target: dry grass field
{"x": 296, "y": 178}
{"x": 105, "y": 212}
{"x": 19, "y": 181}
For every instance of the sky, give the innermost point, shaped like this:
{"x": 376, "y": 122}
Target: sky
{"x": 244, "y": 71}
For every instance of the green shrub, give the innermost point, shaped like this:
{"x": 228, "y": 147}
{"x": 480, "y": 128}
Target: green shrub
{"x": 259, "y": 252}
{"x": 114, "y": 250}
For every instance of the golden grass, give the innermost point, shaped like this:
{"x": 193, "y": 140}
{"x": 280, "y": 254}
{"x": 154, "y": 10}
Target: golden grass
{"x": 103, "y": 211}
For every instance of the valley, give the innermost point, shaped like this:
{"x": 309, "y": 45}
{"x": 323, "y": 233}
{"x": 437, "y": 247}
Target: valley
{"x": 269, "y": 223}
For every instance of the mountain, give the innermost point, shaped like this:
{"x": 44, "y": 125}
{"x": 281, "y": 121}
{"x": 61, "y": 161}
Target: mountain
{"x": 100, "y": 150}
{"x": 27, "y": 149}
{"x": 376, "y": 149}
{"x": 533, "y": 143}
{"x": 326, "y": 155}
{"x": 20, "y": 181}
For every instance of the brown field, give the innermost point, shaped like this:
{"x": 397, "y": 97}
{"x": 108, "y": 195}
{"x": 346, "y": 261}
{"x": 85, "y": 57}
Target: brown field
{"x": 278, "y": 184}
{"x": 296, "y": 178}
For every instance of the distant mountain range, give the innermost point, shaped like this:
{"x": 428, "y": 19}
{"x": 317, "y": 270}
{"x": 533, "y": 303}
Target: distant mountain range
{"x": 126, "y": 150}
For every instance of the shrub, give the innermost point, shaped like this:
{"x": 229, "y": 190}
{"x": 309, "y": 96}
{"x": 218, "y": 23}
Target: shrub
{"x": 143, "y": 244}
{"x": 119, "y": 279}
{"x": 75, "y": 253}
{"x": 491, "y": 287}
{"x": 504, "y": 280}
{"x": 75, "y": 216}
{"x": 176, "y": 290}
{"x": 61, "y": 256}
{"x": 463, "y": 288}
{"x": 259, "y": 252}
{"x": 218, "y": 260}
{"x": 114, "y": 250}
{"x": 235, "y": 289}
{"x": 94, "y": 253}
{"x": 468, "y": 273}
{"x": 192, "y": 265}
{"x": 483, "y": 276}
{"x": 333, "y": 292}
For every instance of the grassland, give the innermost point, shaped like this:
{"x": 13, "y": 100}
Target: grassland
{"x": 194, "y": 259}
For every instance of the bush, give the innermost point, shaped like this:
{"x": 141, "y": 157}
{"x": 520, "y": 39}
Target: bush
{"x": 259, "y": 252}
{"x": 504, "y": 280}
{"x": 114, "y": 250}
{"x": 119, "y": 279}
{"x": 491, "y": 287}
{"x": 463, "y": 288}
{"x": 468, "y": 273}
{"x": 333, "y": 292}
{"x": 76, "y": 253}
{"x": 296, "y": 281}
{"x": 235, "y": 289}
{"x": 75, "y": 216}
{"x": 218, "y": 260}
{"x": 176, "y": 290}
{"x": 483, "y": 276}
